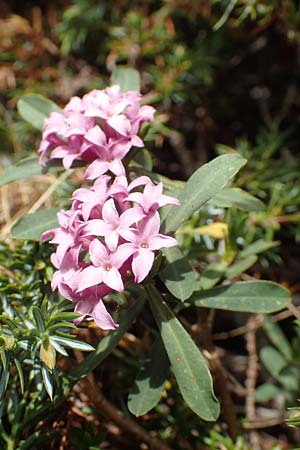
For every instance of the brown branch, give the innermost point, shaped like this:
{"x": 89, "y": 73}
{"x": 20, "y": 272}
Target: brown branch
{"x": 89, "y": 388}
{"x": 203, "y": 334}
{"x": 245, "y": 328}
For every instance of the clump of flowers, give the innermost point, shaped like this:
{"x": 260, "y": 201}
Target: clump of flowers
{"x": 111, "y": 233}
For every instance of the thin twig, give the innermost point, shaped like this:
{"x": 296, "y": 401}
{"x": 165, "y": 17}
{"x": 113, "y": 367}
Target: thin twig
{"x": 93, "y": 391}
{"x": 252, "y": 371}
{"x": 203, "y": 334}
{"x": 245, "y": 328}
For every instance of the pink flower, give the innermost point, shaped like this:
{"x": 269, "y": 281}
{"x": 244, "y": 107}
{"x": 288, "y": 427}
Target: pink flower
{"x": 105, "y": 267}
{"x": 112, "y": 223}
{"x": 152, "y": 198}
{"x": 145, "y": 241}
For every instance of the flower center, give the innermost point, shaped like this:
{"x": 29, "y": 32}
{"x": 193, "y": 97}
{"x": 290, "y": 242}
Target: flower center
{"x": 107, "y": 267}
{"x": 144, "y": 245}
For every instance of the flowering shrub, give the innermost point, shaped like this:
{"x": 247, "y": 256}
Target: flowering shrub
{"x": 107, "y": 239}
{"x": 112, "y": 230}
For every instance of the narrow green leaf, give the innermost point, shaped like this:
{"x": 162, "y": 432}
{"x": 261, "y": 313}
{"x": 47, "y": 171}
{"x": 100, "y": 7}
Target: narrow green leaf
{"x": 277, "y": 337}
{"x": 58, "y": 347}
{"x": 38, "y": 318}
{"x": 244, "y": 296}
{"x": 236, "y": 197}
{"x": 35, "y": 108}
{"x": 36, "y": 438}
{"x": 47, "y": 380}
{"x": 20, "y": 373}
{"x": 5, "y": 359}
{"x": 188, "y": 364}
{"x": 33, "y": 225}
{"x": 207, "y": 181}
{"x": 178, "y": 275}
{"x": 240, "y": 266}
{"x": 26, "y": 168}
{"x": 109, "y": 342}
{"x": 127, "y": 78}
{"x": 258, "y": 247}
{"x": 150, "y": 381}
{"x": 72, "y": 343}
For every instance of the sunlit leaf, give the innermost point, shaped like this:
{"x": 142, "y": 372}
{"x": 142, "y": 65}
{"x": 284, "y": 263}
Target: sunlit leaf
{"x": 127, "y": 78}
{"x": 188, "y": 364}
{"x": 33, "y": 225}
{"x": 244, "y": 296}
{"x": 202, "y": 186}
{"x": 35, "y": 108}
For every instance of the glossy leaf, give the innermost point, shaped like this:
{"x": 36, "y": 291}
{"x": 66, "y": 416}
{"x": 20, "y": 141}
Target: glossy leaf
{"x": 35, "y": 108}
{"x": 47, "y": 381}
{"x": 178, "y": 274}
{"x": 207, "y": 181}
{"x": 33, "y": 225}
{"x": 5, "y": 359}
{"x": 150, "y": 381}
{"x": 20, "y": 373}
{"x": 188, "y": 364}
{"x": 127, "y": 78}
{"x": 244, "y": 296}
{"x": 72, "y": 343}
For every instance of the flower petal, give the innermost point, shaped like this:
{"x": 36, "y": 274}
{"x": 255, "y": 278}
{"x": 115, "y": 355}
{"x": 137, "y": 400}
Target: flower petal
{"x": 102, "y": 317}
{"x": 142, "y": 264}
{"x": 90, "y": 276}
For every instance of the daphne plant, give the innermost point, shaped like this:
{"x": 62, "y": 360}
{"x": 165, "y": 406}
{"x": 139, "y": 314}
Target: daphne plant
{"x": 120, "y": 235}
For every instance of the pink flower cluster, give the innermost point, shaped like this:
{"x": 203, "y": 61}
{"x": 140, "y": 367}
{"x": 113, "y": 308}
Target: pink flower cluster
{"x": 99, "y": 129}
{"x": 109, "y": 236}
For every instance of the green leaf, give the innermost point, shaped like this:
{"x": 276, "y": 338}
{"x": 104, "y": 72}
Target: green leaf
{"x": 273, "y": 361}
{"x": 277, "y": 337}
{"x": 240, "y": 266}
{"x": 127, "y": 78}
{"x": 178, "y": 274}
{"x": 33, "y": 225}
{"x": 58, "y": 347}
{"x": 150, "y": 381}
{"x": 188, "y": 364}
{"x": 72, "y": 343}
{"x": 258, "y": 247}
{"x": 207, "y": 181}
{"x": 35, "y": 108}
{"x": 236, "y": 197}
{"x": 38, "y": 318}
{"x": 24, "y": 169}
{"x": 210, "y": 276}
{"x": 266, "y": 392}
{"x": 20, "y": 373}
{"x": 47, "y": 380}
{"x": 109, "y": 342}
{"x": 5, "y": 373}
{"x": 244, "y": 296}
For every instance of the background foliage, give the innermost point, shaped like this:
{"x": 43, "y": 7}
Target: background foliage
{"x": 223, "y": 75}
